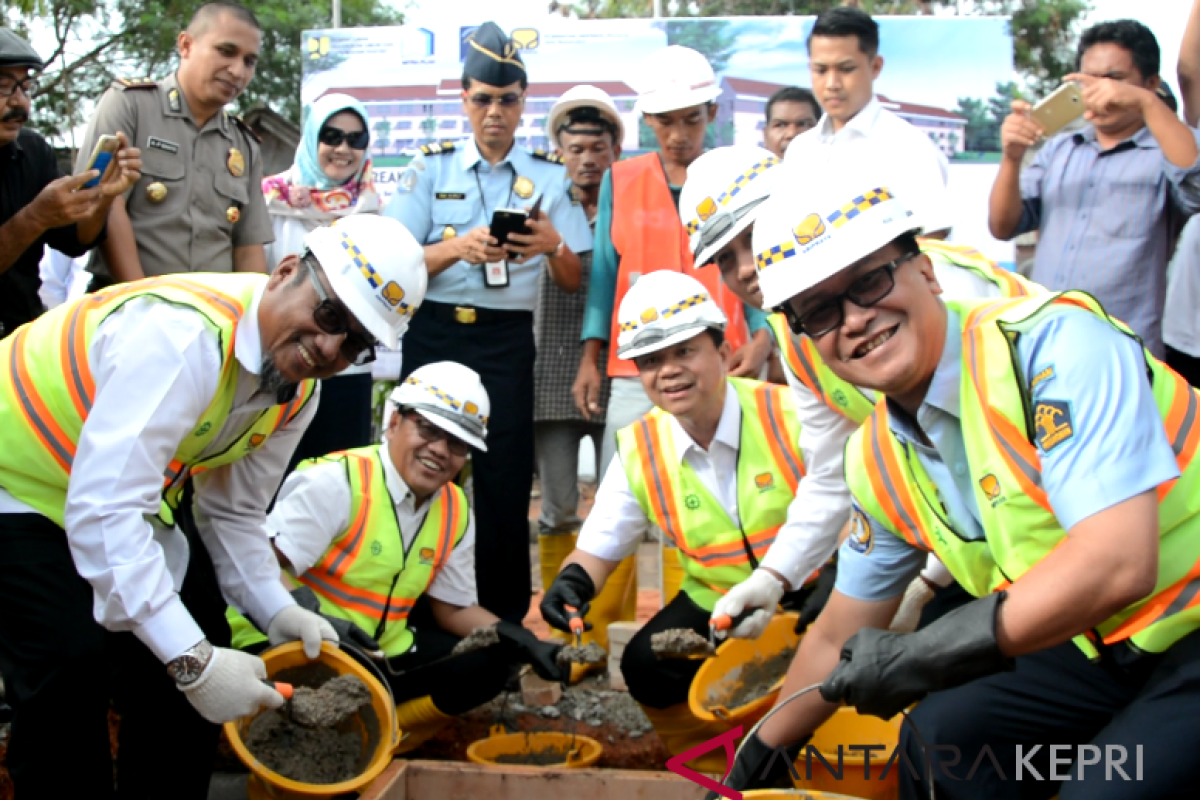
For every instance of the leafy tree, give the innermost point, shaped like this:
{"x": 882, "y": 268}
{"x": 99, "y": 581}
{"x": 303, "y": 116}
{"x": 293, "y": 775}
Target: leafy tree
{"x": 713, "y": 38}
{"x": 979, "y": 123}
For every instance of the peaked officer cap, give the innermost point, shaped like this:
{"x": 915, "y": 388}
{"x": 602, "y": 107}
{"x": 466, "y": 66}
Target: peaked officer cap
{"x": 492, "y": 57}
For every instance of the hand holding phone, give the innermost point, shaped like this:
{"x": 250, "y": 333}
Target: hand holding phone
{"x": 1059, "y": 108}
{"x": 102, "y": 155}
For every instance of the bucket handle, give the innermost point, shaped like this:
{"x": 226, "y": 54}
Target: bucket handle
{"x": 497, "y": 730}
{"x": 574, "y": 754}
{"x": 720, "y": 712}
{"x": 369, "y": 663}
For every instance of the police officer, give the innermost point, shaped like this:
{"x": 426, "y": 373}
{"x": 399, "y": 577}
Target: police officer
{"x": 1050, "y": 462}
{"x": 481, "y": 296}
{"x": 199, "y": 205}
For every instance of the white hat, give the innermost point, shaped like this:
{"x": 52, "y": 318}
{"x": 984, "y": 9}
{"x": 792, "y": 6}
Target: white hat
{"x": 662, "y": 309}
{"x": 831, "y": 216}
{"x": 583, "y": 96}
{"x": 450, "y": 396}
{"x": 722, "y": 194}
{"x": 673, "y": 78}
{"x": 376, "y": 268}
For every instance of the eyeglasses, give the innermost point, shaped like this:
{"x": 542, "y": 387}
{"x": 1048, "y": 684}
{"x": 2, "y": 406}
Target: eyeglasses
{"x": 333, "y": 137}
{"x": 357, "y": 348}
{"x": 432, "y": 434}
{"x": 8, "y": 86}
{"x": 866, "y": 290}
{"x": 485, "y": 100}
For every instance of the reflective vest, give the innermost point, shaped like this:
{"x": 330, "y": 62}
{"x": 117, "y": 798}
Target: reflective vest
{"x": 711, "y": 548}
{"x": 367, "y": 575}
{"x": 1000, "y": 426}
{"x": 49, "y": 389}
{"x": 800, "y": 353}
{"x": 649, "y": 236}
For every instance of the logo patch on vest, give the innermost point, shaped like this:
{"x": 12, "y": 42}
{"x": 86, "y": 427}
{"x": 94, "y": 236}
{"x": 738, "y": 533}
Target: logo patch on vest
{"x": 1052, "y": 418}
{"x": 203, "y": 429}
{"x": 692, "y": 502}
{"x": 426, "y": 556}
{"x": 990, "y": 485}
{"x": 255, "y": 440}
{"x": 860, "y": 539}
{"x": 376, "y": 548}
{"x": 840, "y": 398}
{"x": 764, "y": 481}
{"x": 1044, "y": 375}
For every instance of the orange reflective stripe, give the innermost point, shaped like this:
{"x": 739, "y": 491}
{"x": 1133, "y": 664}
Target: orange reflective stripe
{"x": 342, "y": 555}
{"x": 1180, "y": 426}
{"x": 173, "y": 472}
{"x": 1012, "y": 286}
{"x": 452, "y": 511}
{"x": 357, "y": 600}
{"x": 734, "y": 553}
{"x": 1180, "y": 596}
{"x": 807, "y": 358}
{"x": 783, "y": 451}
{"x": 888, "y": 484}
{"x": 39, "y": 418}
{"x": 662, "y": 494}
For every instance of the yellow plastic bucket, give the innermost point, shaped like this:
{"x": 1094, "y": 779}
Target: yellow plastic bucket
{"x": 721, "y": 673}
{"x": 579, "y": 751}
{"x": 376, "y": 723}
{"x": 794, "y": 794}
{"x": 848, "y": 727}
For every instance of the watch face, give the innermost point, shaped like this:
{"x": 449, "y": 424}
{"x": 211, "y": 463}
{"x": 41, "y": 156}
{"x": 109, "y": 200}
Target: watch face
{"x": 186, "y": 668}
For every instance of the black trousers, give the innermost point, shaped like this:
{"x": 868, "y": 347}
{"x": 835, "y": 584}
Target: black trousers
{"x": 1058, "y": 697}
{"x": 61, "y": 668}
{"x": 662, "y": 683}
{"x": 501, "y": 350}
{"x": 342, "y": 421}
{"x": 1187, "y": 366}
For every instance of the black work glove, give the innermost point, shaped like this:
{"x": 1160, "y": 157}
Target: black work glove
{"x": 572, "y": 587}
{"x": 542, "y": 656}
{"x": 758, "y": 767}
{"x": 347, "y": 631}
{"x": 818, "y": 597}
{"x": 883, "y": 673}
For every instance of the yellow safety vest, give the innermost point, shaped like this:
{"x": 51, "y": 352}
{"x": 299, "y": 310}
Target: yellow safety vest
{"x": 367, "y": 576}
{"x": 800, "y": 353}
{"x": 1000, "y": 425}
{"x": 49, "y": 389}
{"x": 711, "y": 548}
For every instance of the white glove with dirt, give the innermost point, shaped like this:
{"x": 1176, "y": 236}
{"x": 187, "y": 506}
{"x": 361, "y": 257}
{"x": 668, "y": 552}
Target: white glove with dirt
{"x": 762, "y": 591}
{"x": 231, "y": 686}
{"x": 908, "y": 615}
{"x": 293, "y": 622}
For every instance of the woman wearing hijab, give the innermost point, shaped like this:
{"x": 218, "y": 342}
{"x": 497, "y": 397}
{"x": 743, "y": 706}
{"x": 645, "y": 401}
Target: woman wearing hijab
{"x": 330, "y": 178}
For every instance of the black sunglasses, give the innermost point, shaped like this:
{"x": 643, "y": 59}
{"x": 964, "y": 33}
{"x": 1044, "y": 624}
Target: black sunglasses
{"x": 432, "y": 434}
{"x": 357, "y": 348}
{"x": 333, "y": 137}
{"x": 485, "y": 100}
{"x": 866, "y": 290}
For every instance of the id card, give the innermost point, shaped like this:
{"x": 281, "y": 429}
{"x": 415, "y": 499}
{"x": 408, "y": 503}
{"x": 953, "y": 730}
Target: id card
{"x": 495, "y": 274}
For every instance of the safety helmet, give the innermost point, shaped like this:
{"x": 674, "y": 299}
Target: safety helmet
{"x": 722, "y": 194}
{"x": 376, "y": 268}
{"x": 826, "y": 219}
{"x": 662, "y": 309}
{"x": 450, "y": 396}
{"x": 583, "y": 96}
{"x": 673, "y": 78}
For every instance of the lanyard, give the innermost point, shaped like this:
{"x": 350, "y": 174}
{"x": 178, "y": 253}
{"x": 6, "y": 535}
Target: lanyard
{"x": 483, "y": 201}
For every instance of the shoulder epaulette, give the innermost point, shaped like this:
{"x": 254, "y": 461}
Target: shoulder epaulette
{"x": 438, "y": 148}
{"x": 246, "y": 129}
{"x": 573, "y": 193}
{"x": 542, "y": 155}
{"x": 135, "y": 83}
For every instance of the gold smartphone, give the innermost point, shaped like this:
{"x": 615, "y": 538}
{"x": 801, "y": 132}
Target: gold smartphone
{"x": 1059, "y": 109}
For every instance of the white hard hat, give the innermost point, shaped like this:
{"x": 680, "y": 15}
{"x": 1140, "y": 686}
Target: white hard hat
{"x": 376, "y": 268}
{"x": 673, "y": 78}
{"x": 826, "y": 219}
{"x": 583, "y": 96}
{"x": 722, "y": 194}
{"x": 450, "y": 396}
{"x": 662, "y": 309}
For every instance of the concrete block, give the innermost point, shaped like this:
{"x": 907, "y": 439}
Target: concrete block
{"x": 537, "y": 692}
{"x": 619, "y": 634}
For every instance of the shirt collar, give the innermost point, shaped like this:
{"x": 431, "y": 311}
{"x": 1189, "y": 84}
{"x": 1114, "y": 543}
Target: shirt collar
{"x": 170, "y": 84}
{"x": 944, "y": 388}
{"x": 471, "y": 156}
{"x": 396, "y": 486}
{"x": 1143, "y": 138}
{"x": 247, "y": 342}
{"x": 861, "y": 123}
{"x": 729, "y": 427}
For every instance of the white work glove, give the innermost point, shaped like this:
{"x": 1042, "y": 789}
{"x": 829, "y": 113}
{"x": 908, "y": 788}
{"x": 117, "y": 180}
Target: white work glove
{"x": 293, "y": 622}
{"x": 231, "y": 687}
{"x": 761, "y": 590}
{"x": 908, "y": 615}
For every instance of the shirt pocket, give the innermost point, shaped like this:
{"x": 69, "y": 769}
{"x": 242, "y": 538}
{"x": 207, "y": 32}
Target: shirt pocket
{"x": 231, "y": 193}
{"x": 160, "y": 166}
{"x": 1129, "y": 207}
{"x": 451, "y": 218}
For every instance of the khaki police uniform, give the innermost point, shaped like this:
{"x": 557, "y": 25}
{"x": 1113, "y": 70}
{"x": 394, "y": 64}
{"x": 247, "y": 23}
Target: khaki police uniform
{"x": 200, "y": 194}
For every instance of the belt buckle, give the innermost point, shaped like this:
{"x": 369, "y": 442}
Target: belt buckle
{"x": 464, "y": 315}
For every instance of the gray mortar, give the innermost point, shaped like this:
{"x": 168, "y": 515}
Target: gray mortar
{"x": 337, "y": 700}
{"x": 679, "y": 642}
{"x": 591, "y": 653}
{"x": 477, "y": 640}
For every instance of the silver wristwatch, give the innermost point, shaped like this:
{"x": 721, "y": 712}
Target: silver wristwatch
{"x": 186, "y": 668}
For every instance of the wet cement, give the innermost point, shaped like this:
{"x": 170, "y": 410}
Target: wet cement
{"x": 591, "y": 653}
{"x": 337, "y": 700}
{"x": 754, "y": 680}
{"x": 679, "y": 643}
{"x": 308, "y": 755}
{"x": 477, "y": 640}
{"x": 545, "y": 757}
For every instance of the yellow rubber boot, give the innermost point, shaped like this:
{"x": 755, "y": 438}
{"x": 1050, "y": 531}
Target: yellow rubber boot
{"x": 680, "y": 730}
{"x": 552, "y": 551}
{"x": 672, "y": 574}
{"x": 419, "y": 721}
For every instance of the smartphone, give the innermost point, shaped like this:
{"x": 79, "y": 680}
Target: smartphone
{"x": 506, "y": 221}
{"x": 106, "y": 148}
{"x": 1059, "y": 109}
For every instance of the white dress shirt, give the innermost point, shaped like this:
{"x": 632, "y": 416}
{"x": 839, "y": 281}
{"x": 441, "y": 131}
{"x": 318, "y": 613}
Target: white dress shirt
{"x": 313, "y": 509}
{"x": 157, "y": 367}
{"x": 914, "y": 169}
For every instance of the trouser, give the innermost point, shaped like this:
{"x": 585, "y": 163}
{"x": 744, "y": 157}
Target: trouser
{"x": 1187, "y": 366}
{"x": 61, "y": 668}
{"x": 557, "y": 446}
{"x": 342, "y": 421}
{"x": 1146, "y": 704}
{"x": 627, "y": 403}
{"x": 499, "y": 346}
{"x": 455, "y": 685}
{"x": 661, "y": 683}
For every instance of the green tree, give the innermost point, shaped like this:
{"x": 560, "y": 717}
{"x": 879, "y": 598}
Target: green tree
{"x": 713, "y": 38}
{"x": 383, "y": 130}
{"x": 979, "y": 123}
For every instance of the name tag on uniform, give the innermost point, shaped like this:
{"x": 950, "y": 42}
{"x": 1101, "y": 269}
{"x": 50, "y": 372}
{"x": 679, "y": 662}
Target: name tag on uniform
{"x": 449, "y": 196}
{"x": 162, "y": 144}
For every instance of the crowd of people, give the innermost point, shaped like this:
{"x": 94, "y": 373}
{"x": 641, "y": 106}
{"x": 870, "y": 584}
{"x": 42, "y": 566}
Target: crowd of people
{"x": 977, "y": 487}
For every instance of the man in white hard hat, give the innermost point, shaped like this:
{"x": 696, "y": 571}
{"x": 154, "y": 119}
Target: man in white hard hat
{"x": 586, "y": 131}
{"x": 714, "y": 465}
{"x": 829, "y": 410}
{"x": 640, "y": 230}
{"x": 1049, "y": 460}
{"x": 381, "y": 541}
{"x": 172, "y": 399}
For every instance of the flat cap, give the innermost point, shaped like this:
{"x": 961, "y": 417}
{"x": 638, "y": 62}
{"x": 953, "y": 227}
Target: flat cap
{"x": 492, "y": 57}
{"x": 16, "y": 52}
